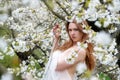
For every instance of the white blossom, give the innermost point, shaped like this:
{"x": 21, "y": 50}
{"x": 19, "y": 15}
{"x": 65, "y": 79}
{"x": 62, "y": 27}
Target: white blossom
{"x": 81, "y": 67}
{"x": 98, "y": 24}
{"x": 7, "y": 76}
{"x": 103, "y": 38}
{"x": 70, "y": 59}
{"x": 70, "y": 18}
{"x": 106, "y": 24}
{"x": 82, "y": 45}
{"x": 108, "y": 60}
{"x": 23, "y": 68}
{"x": 94, "y": 78}
{"x": 9, "y": 51}
{"x": 28, "y": 76}
{"x": 32, "y": 63}
{"x": 74, "y": 5}
{"x": 3, "y": 44}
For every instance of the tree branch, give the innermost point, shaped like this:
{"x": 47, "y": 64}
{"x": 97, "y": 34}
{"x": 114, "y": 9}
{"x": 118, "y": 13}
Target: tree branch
{"x": 116, "y": 33}
{"x": 62, "y": 8}
{"x": 2, "y": 69}
{"x": 12, "y": 31}
{"x": 41, "y": 49}
{"x": 55, "y": 13}
{"x": 111, "y": 70}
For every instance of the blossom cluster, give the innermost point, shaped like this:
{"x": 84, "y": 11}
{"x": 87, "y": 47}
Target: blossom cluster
{"x": 103, "y": 16}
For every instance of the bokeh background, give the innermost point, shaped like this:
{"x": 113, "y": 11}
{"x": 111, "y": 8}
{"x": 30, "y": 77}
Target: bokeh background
{"x": 26, "y": 35}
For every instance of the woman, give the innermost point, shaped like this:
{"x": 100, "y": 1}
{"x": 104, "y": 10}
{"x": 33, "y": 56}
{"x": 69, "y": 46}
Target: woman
{"x": 65, "y": 59}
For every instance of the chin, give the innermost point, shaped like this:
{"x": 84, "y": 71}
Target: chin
{"x": 75, "y": 40}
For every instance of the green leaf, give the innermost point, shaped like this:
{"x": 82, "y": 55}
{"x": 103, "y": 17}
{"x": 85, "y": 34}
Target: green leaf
{"x": 4, "y": 31}
{"x": 87, "y": 3}
{"x": 50, "y": 3}
{"x": 10, "y": 61}
{"x": 109, "y": 1}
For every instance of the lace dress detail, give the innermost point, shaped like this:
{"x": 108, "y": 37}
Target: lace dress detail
{"x": 50, "y": 73}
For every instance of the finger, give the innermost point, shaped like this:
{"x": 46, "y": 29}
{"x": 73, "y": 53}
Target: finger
{"x": 56, "y": 24}
{"x": 58, "y": 30}
{"x": 55, "y": 27}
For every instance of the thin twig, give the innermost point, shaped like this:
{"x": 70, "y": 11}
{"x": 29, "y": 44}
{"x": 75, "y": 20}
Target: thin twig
{"x": 111, "y": 70}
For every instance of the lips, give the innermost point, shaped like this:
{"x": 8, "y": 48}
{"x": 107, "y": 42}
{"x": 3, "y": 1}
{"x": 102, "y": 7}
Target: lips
{"x": 73, "y": 37}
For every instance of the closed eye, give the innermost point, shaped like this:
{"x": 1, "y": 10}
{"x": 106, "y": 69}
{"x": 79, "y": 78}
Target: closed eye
{"x": 76, "y": 29}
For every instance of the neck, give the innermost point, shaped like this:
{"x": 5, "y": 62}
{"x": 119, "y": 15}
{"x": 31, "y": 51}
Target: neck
{"x": 74, "y": 43}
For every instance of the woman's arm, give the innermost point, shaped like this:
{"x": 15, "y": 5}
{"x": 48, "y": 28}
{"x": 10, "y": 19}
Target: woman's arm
{"x": 56, "y": 32}
{"x": 62, "y": 64}
{"x": 55, "y": 45}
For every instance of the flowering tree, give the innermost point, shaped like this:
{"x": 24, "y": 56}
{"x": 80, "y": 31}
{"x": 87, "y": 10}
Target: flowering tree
{"x": 26, "y": 35}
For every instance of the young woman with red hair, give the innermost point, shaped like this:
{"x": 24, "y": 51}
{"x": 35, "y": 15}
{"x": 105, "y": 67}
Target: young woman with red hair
{"x": 66, "y": 58}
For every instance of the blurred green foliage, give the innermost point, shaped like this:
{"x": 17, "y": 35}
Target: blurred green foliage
{"x": 103, "y": 76}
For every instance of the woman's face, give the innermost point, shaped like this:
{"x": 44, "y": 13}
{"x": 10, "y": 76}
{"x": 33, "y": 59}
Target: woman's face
{"x": 74, "y": 32}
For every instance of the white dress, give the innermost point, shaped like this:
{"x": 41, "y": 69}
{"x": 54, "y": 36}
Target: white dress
{"x": 51, "y": 74}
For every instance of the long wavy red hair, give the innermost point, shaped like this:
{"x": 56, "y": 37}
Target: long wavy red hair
{"x": 89, "y": 60}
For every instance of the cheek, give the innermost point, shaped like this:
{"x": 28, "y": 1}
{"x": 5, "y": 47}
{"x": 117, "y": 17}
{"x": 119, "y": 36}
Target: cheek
{"x": 79, "y": 34}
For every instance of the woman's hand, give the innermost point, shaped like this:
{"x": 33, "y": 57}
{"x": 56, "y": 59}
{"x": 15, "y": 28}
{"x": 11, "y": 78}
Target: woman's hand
{"x": 56, "y": 31}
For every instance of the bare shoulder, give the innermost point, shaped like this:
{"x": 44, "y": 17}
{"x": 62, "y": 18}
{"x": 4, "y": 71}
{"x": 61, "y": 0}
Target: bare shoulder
{"x": 81, "y": 54}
